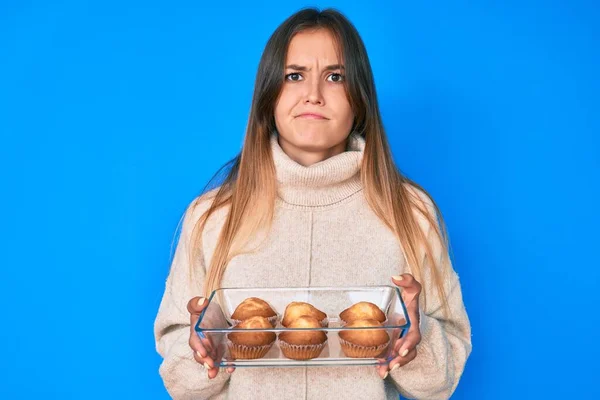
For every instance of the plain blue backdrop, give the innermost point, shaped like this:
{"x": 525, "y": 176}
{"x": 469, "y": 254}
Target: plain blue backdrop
{"x": 113, "y": 116}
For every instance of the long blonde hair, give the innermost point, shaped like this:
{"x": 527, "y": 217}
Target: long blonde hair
{"x": 249, "y": 190}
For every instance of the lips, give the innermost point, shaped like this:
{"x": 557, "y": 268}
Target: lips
{"x": 311, "y": 116}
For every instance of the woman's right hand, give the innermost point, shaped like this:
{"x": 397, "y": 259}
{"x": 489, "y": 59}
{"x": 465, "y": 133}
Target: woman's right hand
{"x": 202, "y": 348}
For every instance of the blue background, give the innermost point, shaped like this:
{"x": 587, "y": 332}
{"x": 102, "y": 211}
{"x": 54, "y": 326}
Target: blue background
{"x": 114, "y": 115}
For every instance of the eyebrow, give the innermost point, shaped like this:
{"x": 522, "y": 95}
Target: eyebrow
{"x": 297, "y": 67}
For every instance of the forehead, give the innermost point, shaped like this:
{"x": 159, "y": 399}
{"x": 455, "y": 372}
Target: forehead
{"x": 313, "y": 46}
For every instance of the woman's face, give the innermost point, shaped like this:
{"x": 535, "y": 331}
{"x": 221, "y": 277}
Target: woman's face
{"x": 312, "y": 114}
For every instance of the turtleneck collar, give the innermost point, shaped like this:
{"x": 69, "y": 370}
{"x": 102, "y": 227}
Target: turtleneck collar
{"x": 327, "y": 182}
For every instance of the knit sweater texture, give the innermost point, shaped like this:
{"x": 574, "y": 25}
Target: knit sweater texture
{"x": 323, "y": 234}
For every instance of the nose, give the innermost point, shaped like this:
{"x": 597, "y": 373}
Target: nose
{"x": 314, "y": 93}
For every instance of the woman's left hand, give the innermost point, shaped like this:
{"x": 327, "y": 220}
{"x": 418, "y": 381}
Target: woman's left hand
{"x": 405, "y": 349}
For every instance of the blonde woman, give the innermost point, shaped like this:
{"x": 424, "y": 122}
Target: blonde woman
{"x": 314, "y": 199}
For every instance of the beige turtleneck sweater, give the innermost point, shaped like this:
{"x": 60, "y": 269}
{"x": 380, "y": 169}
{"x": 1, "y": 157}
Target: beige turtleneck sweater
{"x": 323, "y": 234}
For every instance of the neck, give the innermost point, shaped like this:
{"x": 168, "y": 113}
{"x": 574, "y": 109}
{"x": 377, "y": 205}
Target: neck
{"x": 308, "y": 158}
{"x": 322, "y": 183}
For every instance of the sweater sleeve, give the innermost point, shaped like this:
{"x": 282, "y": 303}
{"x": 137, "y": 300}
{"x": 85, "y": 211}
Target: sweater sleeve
{"x": 183, "y": 377}
{"x": 445, "y": 340}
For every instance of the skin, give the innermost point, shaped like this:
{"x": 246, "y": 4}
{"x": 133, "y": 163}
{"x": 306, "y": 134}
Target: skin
{"x": 202, "y": 348}
{"x": 405, "y": 348}
{"x": 314, "y": 85}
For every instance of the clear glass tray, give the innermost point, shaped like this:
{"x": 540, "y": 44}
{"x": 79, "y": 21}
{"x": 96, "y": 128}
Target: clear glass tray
{"x": 215, "y": 322}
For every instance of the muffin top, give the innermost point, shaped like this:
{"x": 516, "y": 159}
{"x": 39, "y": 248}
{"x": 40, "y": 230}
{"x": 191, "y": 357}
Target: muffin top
{"x": 253, "y": 338}
{"x": 363, "y": 310}
{"x": 304, "y": 337}
{"x": 297, "y": 309}
{"x": 253, "y": 307}
{"x": 365, "y": 337}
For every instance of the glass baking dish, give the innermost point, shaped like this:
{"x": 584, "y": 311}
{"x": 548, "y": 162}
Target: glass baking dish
{"x": 215, "y": 322}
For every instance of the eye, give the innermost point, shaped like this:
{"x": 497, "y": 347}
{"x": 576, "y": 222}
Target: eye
{"x": 335, "y": 78}
{"x": 294, "y": 77}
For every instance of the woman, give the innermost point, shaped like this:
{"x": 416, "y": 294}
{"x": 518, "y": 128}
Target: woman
{"x": 314, "y": 199}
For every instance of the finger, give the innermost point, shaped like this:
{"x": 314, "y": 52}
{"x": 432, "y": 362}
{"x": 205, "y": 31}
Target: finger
{"x": 194, "y": 319}
{"x": 411, "y": 289}
{"x": 230, "y": 368}
{"x": 196, "y": 344}
{"x": 410, "y": 342}
{"x": 196, "y": 305}
{"x": 217, "y": 358}
{"x": 410, "y": 285}
{"x": 415, "y": 316}
{"x": 382, "y": 368}
{"x": 398, "y": 345}
{"x": 212, "y": 373}
{"x": 202, "y": 346}
{"x": 206, "y": 362}
{"x": 196, "y": 341}
{"x": 205, "y": 340}
{"x": 401, "y": 361}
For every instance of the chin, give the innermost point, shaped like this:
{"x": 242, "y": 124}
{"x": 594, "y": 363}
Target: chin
{"x": 313, "y": 140}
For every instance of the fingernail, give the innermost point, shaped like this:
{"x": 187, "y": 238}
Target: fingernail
{"x": 386, "y": 374}
{"x": 201, "y": 301}
{"x": 397, "y": 277}
{"x": 395, "y": 367}
{"x": 199, "y": 355}
{"x": 206, "y": 365}
{"x": 404, "y": 353}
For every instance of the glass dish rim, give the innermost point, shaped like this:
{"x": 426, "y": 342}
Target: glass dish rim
{"x": 405, "y": 326}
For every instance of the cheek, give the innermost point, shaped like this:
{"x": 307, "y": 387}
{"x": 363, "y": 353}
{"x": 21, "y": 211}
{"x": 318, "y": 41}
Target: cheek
{"x": 344, "y": 110}
{"x": 285, "y": 104}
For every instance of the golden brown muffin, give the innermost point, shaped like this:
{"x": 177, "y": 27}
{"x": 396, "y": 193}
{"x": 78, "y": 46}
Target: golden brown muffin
{"x": 251, "y": 345}
{"x": 364, "y": 343}
{"x": 253, "y": 307}
{"x": 303, "y": 345}
{"x": 363, "y": 310}
{"x": 304, "y": 337}
{"x": 297, "y": 309}
{"x": 253, "y": 338}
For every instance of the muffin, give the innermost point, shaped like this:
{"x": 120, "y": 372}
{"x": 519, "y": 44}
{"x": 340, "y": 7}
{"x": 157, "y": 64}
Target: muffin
{"x": 363, "y": 310}
{"x": 250, "y": 345}
{"x": 297, "y": 309}
{"x": 364, "y": 343}
{"x": 303, "y": 345}
{"x": 253, "y": 307}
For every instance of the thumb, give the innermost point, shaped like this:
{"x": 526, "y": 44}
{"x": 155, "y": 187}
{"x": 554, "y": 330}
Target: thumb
{"x": 196, "y": 305}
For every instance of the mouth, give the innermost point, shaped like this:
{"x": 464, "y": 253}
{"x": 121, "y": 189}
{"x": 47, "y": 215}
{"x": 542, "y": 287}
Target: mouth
{"x": 311, "y": 116}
